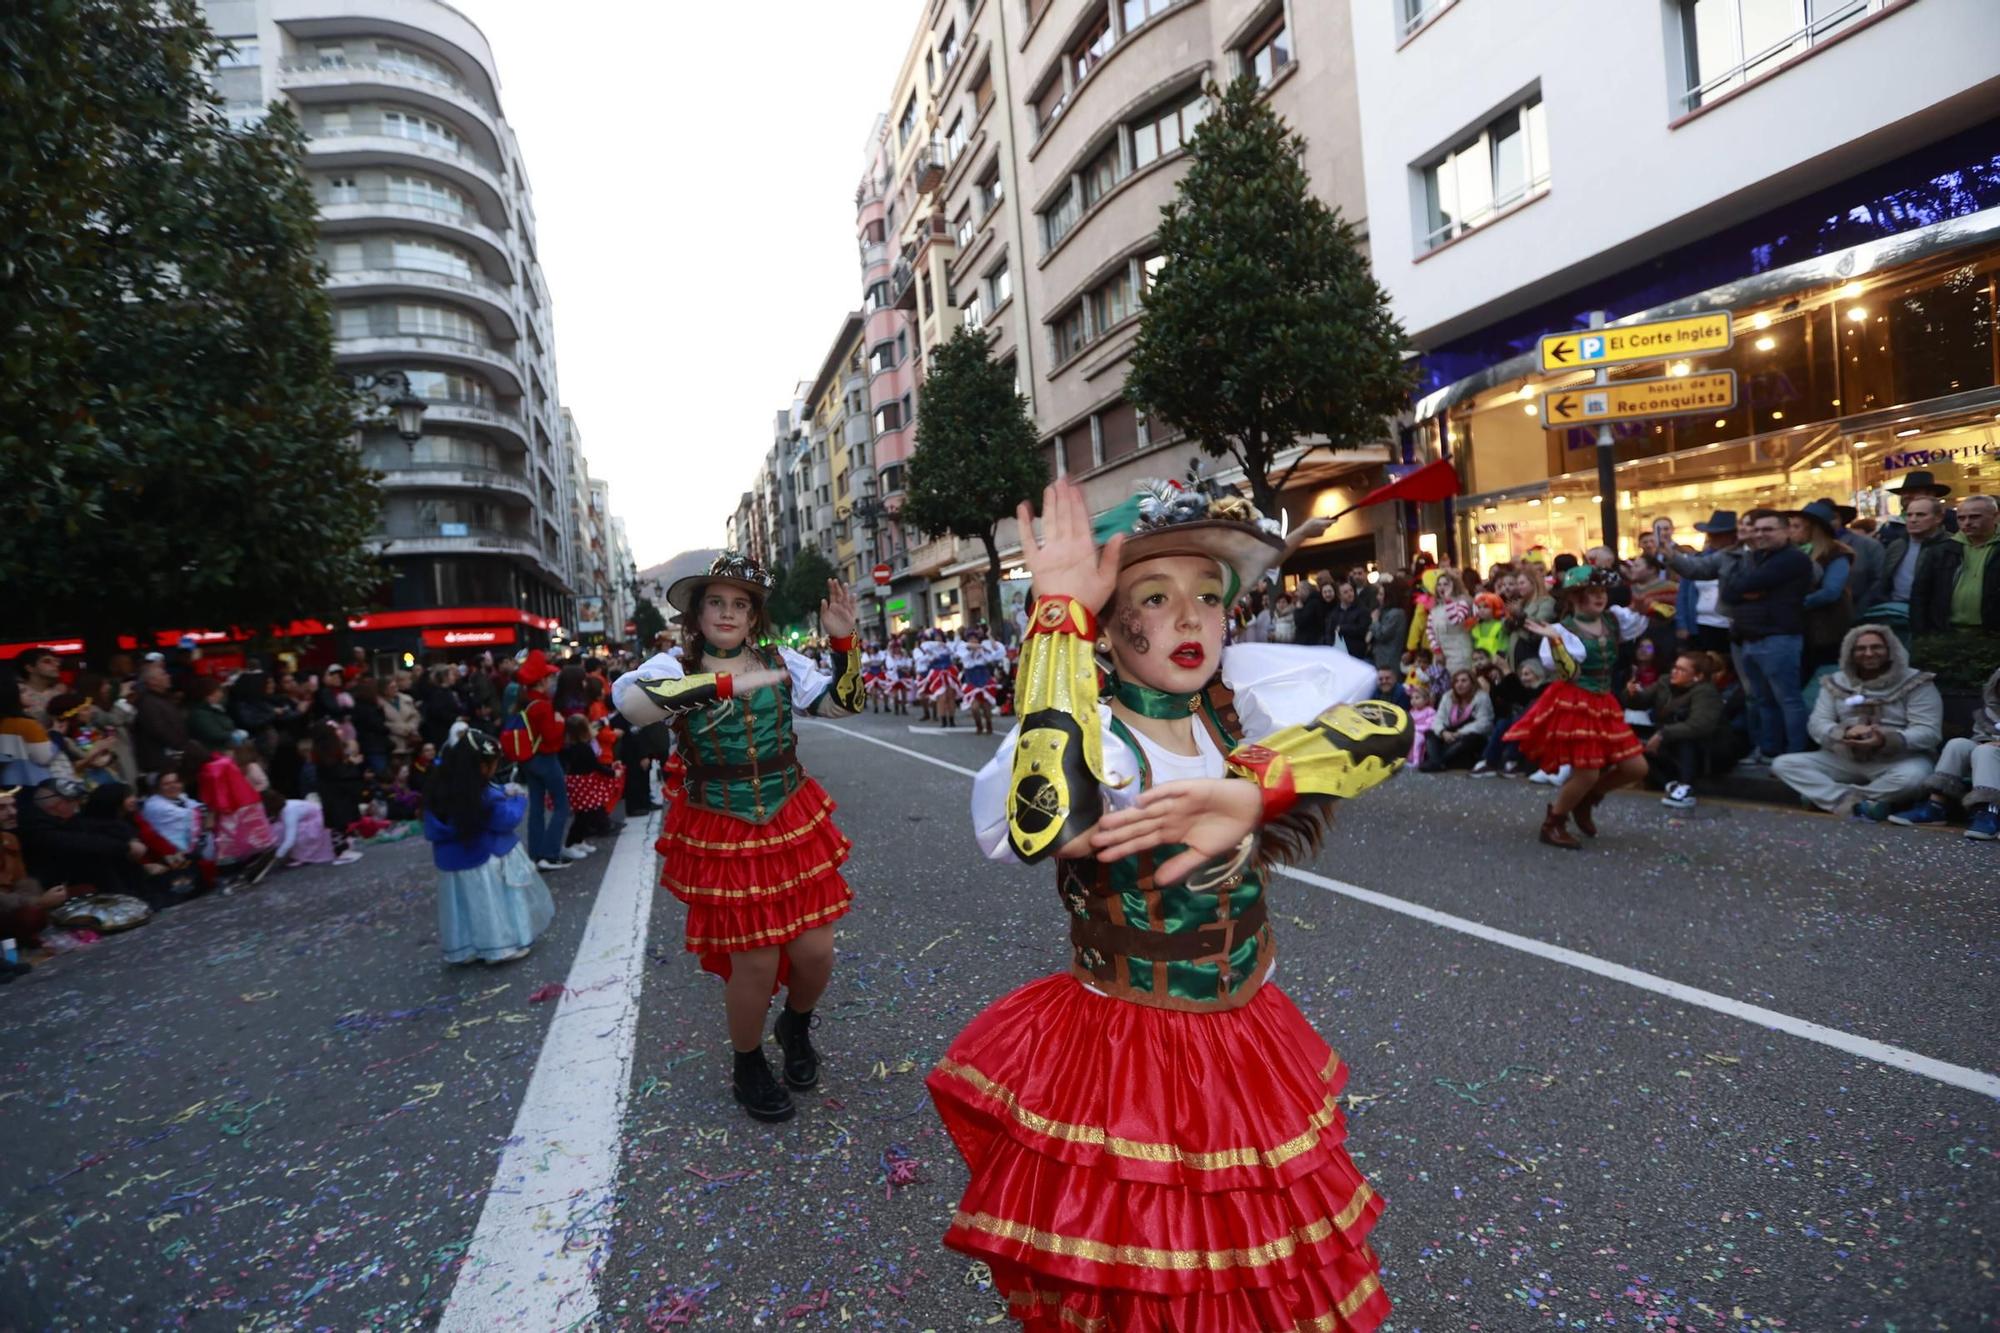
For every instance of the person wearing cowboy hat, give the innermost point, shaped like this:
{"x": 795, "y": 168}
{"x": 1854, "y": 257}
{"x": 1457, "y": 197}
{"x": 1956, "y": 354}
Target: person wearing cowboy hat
{"x": 1903, "y": 547}
{"x": 1577, "y": 723}
{"x": 1915, "y": 486}
{"x": 1829, "y": 607}
{"x": 1166, "y": 1032}
{"x": 1699, "y": 621}
{"x": 748, "y": 842}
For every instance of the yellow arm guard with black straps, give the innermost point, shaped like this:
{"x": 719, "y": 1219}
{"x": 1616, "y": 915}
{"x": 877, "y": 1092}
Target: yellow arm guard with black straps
{"x": 1059, "y": 756}
{"x": 845, "y": 697}
{"x": 1342, "y": 752}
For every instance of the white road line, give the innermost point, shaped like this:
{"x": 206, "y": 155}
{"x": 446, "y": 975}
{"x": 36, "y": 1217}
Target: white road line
{"x": 1896, "y": 1057}
{"x": 936, "y": 731}
{"x": 548, "y": 1217}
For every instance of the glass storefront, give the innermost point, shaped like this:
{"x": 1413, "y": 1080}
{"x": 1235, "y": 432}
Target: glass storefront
{"x": 1840, "y": 390}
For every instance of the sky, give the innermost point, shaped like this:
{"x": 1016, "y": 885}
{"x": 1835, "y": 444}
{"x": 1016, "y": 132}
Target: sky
{"x": 693, "y": 177}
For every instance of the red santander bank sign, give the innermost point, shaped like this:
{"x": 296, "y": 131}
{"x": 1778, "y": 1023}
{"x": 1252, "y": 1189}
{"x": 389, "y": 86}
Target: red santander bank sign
{"x": 468, "y": 638}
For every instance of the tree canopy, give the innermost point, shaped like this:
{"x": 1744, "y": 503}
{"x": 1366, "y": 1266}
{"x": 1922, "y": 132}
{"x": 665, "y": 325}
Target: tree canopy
{"x": 175, "y": 440}
{"x": 1264, "y": 326}
{"x": 801, "y": 588}
{"x": 976, "y": 456}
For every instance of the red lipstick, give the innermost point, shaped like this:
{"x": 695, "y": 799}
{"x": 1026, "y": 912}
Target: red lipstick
{"x": 1188, "y": 655}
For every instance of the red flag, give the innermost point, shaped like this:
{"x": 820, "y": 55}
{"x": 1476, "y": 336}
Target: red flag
{"x": 1431, "y": 482}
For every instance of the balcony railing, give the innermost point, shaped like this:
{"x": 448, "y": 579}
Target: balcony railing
{"x": 903, "y": 285}
{"x": 478, "y": 285}
{"x": 409, "y": 539}
{"x": 458, "y": 476}
{"x": 303, "y": 73}
{"x": 933, "y": 161}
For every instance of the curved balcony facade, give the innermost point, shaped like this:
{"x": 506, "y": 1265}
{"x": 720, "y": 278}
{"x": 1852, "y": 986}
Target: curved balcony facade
{"x": 309, "y": 83}
{"x": 499, "y": 367}
{"x": 465, "y": 170}
{"x": 493, "y": 302}
{"x": 375, "y": 211}
{"x": 484, "y": 482}
{"x": 497, "y": 421}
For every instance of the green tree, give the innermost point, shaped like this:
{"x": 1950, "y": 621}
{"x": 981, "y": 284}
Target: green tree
{"x": 647, "y": 621}
{"x": 976, "y": 456}
{"x": 1265, "y": 325}
{"x": 801, "y": 588}
{"x": 176, "y": 442}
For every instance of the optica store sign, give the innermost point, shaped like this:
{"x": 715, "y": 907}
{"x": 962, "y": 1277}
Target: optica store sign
{"x": 1925, "y": 458}
{"x": 468, "y": 638}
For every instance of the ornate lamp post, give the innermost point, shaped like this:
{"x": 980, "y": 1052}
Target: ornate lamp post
{"x": 391, "y": 389}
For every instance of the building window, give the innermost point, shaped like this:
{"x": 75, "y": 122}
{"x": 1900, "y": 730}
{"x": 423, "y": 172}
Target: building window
{"x": 1102, "y": 172}
{"x": 974, "y": 313}
{"x": 332, "y": 56}
{"x": 1071, "y": 334}
{"x": 1112, "y": 302}
{"x": 1416, "y": 13}
{"x": 982, "y": 92}
{"x": 878, "y": 297}
{"x": 406, "y": 61}
{"x": 1149, "y": 269}
{"x": 948, "y": 48}
{"x": 956, "y": 139}
{"x": 888, "y": 417}
{"x": 429, "y": 257}
{"x": 436, "y": 321}
{"x": 1269, "y": 53}
{"x": 423, "y": 129}
{"x": 907, "y": 126}
{"x": 1060, "y": 217}
{"x": 1092, "y": 47}
{"x": 424, "y": 192}
{"x": 1156, "y": 136}
{"x": 1504, "y": 163}
{"x": 1050, "y": 101}
{"x": 999, "y": 287}
{"x": 1136, "y": 12}
{"x": 238, "y": 55}
{"x": 963, "y": 228}
{"x": 343, "y": 190}
{"x": 1729, "y": 43}
{"x": 449, "y": 386}
{"x": 991, "y": 192}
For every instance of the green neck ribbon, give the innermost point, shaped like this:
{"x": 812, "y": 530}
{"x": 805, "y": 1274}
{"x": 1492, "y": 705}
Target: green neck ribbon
{"x": 1149, "y": 702}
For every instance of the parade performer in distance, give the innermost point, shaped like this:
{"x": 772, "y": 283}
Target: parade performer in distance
{"x": 980, "y": 665}
{"x": 1154, "y": 1137}
{"x": 938, "y": 664}
{"x": 491, "y": 902}
{"x": 902, "y": 671}
{"x": 1578, "y": 720}
{"x": 750, "y": 844}
{"x": 875, "y": 676}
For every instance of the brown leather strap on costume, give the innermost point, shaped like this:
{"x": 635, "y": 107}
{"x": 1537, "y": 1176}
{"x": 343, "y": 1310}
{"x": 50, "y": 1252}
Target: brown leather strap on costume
{"x": 1111, "y": 938}
{"x": 763, "y": 768}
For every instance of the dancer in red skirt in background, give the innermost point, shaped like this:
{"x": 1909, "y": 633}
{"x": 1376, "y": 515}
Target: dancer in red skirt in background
{"x": 749, "y": 842}
{"x": 1578, "y": 721}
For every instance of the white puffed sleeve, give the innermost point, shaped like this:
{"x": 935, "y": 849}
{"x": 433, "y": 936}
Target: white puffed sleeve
{"x": 1631, "y": 624}
{"x": 632, "y": 704}
{"x": 1279, "y": 685}
{"x": 989, "y": 787}
{"x": 809, "y": 681}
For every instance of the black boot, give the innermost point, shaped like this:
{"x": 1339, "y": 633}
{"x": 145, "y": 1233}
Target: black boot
{"x": 794, "y": 1034}
{"x": 762, "y": 1096}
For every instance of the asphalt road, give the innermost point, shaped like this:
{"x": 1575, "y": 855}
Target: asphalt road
{"x": 279, "y": 1110}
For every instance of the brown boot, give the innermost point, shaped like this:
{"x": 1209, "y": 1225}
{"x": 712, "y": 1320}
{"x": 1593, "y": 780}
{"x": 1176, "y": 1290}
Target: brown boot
{"x": 1586, "y": 823}
{"x": 1555, "y": 831}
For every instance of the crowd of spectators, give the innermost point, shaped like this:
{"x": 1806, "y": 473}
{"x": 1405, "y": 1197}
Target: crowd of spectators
{"x": 159, "y": 780}
{"x": 1803, "y": 644}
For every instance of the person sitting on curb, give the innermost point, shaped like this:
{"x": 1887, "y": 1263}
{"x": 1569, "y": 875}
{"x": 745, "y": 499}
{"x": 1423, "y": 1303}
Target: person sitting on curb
{"x": 1692, "y": 737}
{"x": 1457, "y": 734}
{"x": 1968, "y": 772}
{"x": 1878, "y": 722}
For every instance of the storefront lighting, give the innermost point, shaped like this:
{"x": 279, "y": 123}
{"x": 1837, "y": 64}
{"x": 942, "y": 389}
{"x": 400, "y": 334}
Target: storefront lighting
{"x": 1906, "y": 434}
{"x": 1721, "y": 422}
{"x": 1679, "y": 368}
{"x": 1760, "y": 321}
{"x": 1777, "y": 416}
{"x": 1529, "y": 408}
{"x": 1534, "y": 504}
{"x": 1849, "y": 292}
{"x": 1560, "y": 500}
{"x": 1597, "y": 499}
{"x": 1856, "y": 314}
{"x": 1766, "y": 344}
{"x": 1492, "y": 509}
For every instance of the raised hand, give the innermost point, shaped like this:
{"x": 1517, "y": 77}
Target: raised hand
{"x": 1209, "y": 815}
{"x": 837, "y": 611}
{"x": 1066, "y": 561}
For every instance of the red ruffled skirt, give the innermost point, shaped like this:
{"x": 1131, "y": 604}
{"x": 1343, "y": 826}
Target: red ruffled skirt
{"x": 1575, "y": 726}
{"x": 940, "y": 682}
{"x": 593, "y": 791}
{"x": 1144, "y": 1170}
{"x": 751, "y": 886}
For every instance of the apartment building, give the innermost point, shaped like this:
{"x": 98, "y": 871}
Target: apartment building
{"x": 1029, "y": 147}
{"x": 1828, "y": 172}
{"x": 838, "y": 401}
{"x": 428, "y": 235}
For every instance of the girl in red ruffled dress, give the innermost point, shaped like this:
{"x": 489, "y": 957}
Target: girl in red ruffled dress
{"x": 749, "y": 842}
{"x": 1578, "y": 721}
{"x": 1154, "y": 1137}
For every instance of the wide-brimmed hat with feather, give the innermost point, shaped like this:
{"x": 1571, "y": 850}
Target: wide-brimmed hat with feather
{"x": 731, "y": 568}
{"x": 1194, "y": 517}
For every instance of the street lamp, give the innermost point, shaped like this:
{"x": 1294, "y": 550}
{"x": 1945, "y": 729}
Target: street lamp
{"x": 392, "y": 390}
